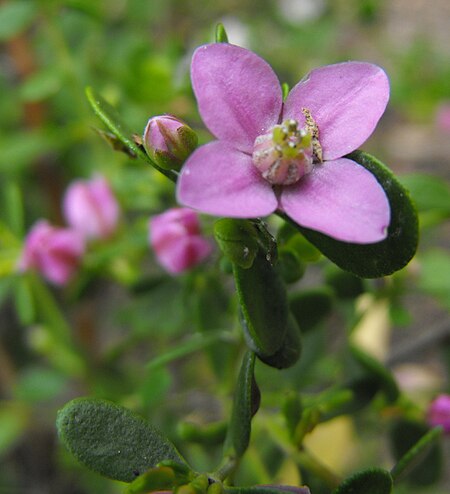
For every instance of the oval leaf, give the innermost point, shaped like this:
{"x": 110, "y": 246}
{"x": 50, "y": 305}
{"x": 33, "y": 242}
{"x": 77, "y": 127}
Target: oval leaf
{"x": 268, "y": 489}
{"x": 245, "y": 405}
{"x": 264, "y": 305}
{"x": 290, "y": 350}
{"x": 418, "y": 451}
{"x": 112, "y": 440}
{"x": 371, "y": 481}
{"x": 382, "y": 258}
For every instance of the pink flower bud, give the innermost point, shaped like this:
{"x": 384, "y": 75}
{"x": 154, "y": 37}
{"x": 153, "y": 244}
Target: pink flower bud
{"x": 53, "y": 252}
{"x": 439, "y": 412}
{"x": 443, "y": 117}
{"x": 91, "y": 208}
{"x": 169, "y": 141}
{"x": 176, "y": 238}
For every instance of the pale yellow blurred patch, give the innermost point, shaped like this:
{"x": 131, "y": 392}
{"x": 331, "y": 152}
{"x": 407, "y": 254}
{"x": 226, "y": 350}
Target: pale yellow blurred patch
{"x": 288, "y": 473}
{"x": 372, "y": 334}
{"x": 334, "y": 444}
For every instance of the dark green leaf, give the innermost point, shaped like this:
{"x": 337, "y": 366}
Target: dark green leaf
{"x": 374, "y": 368}
{"x": 311, "y": 307}
{"x": 237, "y": 240}
{"x": 290, "y": 265}
{"x": 382, "y": 258}
{"x": 112, "y": 440}
{"x": 108, "y": 115}
{"x": 418, "y": 452}
{"x": 290, "y": 351}
{"x": 371, "y": 481}
{"x": 264, "y": 305}
{"x": 245, "y": 405}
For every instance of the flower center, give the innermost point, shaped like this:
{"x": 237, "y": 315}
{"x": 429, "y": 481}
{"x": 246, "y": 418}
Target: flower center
{"x": 284, "y": 154}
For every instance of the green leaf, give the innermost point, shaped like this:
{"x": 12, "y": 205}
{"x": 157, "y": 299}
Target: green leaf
{"x": 15, "y": 17}
{"x": 370, "y": 481}
{"x": 385, "y": 257}
{"x": 374, "y": 368}
{"x": 109, "y": 116}
{"x": 418, "y": 452}
{"x": 238, "y": 240}
{"x": 429, "y": 193}
{"x": 311, "y": 307}
{"x": 155, "y": 479}
{"x": 209, "y": 434}
{"x": 291, "y": 349}
{"x": 112, "y": 440}
{"x": 435, "y": 275}
{"x": 263, "y": 300}
{"x": 245, "y": 405}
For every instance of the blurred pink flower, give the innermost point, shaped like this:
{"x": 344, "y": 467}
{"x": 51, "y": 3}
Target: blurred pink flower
{"x": 176, "y": 238}
{"x": 169, "y": 141}
{"x": 53, "y": 252}
{"x": 439, "y": 412}
{"x": 273, "y": 155}
{"x": 91, "y": 208}
{"x": 443, "y": 117}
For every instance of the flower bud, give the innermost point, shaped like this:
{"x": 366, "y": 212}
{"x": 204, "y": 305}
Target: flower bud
{"x": 439, "y": 412}
{"x": 53, "y": 252}
{"x": 169, "y": 141}
{"x": 91, "y": 208}
{"x": 176, "y": 238}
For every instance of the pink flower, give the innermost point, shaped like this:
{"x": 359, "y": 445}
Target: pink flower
{"x": 176, "y": 238}
{"x": 439, "y": 412}
{"x": 286, "y": 156}
{"x": 91, "y": 208}
{"x": 169, "y": 141}
{"x": 443, "y": 117}
{"x": 54, "y": 252}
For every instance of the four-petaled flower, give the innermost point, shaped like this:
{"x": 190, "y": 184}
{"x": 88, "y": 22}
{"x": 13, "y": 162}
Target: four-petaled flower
{"x": 271, "y": 155}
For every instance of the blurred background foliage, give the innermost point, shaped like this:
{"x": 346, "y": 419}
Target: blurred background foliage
{"x": 109, "y": 334}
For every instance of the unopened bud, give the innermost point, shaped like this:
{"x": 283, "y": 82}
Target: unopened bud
{"x": 169, "y": 141}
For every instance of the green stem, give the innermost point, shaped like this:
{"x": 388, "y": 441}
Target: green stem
{"x": 226, "y": 468}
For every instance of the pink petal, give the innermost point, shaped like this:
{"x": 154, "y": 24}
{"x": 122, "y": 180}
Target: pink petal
{"x": 238, "y": 94}
{"x": 183, "y": 253}
{"x": 341, "y": 199}
{"x": 218, "y": 180}
{"x": 346, "y": 101}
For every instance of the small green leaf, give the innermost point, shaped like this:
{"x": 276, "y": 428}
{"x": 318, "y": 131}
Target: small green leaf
{"x": 374, "y": 368}
{"x": 268, "y": 489}
{"x": 209, "y": 434}
{"x": 112, "y": 440}
{"x": 237, "y": 240}
{"x": 291, "y": 349}
{"x": 311, "y": 307}
{"x": 385, "y": 257}
{"x": 15, "y": 17}
{"x": 371, "y": 481}
{"x": 245, "y": 405}
{"x": 418, "y": 452}
{"x": 155, "y": 479}
{"x": 109, "y": 116}
{"x": 290, "y": 265}
{"x": 221, "y": 34}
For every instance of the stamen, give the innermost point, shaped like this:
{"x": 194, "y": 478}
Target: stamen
{"x": 314, "y": 130}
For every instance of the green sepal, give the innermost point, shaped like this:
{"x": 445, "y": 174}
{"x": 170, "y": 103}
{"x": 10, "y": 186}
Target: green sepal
{"x": 381, "y": 258}
{"x": 267, "y": 489}
{"x": 129, "y": 143}
{"x": 370, "y": 481}
{"x": 311, "y": 307}
{"x": 221, "y": 34}
{"x": 374, "y": 368}
{"x": 245, "y": 405}
{"x": 264, "y": 305}
{"x": 290, "y": 350}
{"x": 238, "y": 240}
{"x": 155, "y": 479}
{"x": 418, "y": 451}
{"x": 112, "y": 440}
